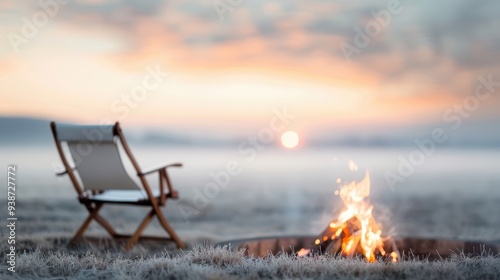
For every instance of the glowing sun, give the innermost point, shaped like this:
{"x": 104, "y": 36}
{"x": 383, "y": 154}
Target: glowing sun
{"x": 290, "y": 139}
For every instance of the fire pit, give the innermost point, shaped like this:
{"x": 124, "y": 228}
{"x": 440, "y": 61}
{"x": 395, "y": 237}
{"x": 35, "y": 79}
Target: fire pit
{"x": 434, "y": 249}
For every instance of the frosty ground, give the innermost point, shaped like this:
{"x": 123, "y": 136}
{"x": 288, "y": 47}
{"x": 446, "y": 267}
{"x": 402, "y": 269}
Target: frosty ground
{"x": 44, "y": 228}
{"x": 209, "y": 262}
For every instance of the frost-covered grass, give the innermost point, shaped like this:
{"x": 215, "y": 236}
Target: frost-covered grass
{"x": 207, "y": 262}
{"x": 46, "y": 226}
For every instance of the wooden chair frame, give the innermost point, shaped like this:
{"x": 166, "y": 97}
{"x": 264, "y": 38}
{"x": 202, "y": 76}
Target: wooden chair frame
{"x": 94, "y": 206}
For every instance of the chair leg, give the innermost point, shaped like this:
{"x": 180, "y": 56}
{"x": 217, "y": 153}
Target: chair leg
{"x": 103, "y": 222}
{"x": 106, "y": 225}
{"x": 83, "y": 227}
{"x": 170, "y": 230}
{"x": 93, "y": 214}
{"x": 139, "y": 230}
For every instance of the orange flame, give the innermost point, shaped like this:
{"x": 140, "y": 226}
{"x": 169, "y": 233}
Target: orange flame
{"x": 365, "y": 237}
{"x": 355, "y": 231}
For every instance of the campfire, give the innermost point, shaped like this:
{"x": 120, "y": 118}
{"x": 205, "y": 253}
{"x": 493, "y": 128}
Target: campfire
{"x": 355, "y": 232}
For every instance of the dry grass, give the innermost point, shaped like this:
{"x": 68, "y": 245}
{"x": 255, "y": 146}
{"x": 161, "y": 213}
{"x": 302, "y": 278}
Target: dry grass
{"x": 207, "y": 262}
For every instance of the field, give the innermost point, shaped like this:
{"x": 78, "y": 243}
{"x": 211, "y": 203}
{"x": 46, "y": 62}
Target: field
{"x": 277, "y": 198}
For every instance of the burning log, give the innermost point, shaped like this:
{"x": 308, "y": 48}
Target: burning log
{"x": 346, "y": 240}
{"x": 355, "y": 232}
{"x": 329, "y": 241}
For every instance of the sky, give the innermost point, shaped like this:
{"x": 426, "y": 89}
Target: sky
{"x": 225, "y": 66}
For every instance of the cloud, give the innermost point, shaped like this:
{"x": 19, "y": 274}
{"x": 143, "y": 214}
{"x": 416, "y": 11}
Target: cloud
{"x": 430, "y": 47}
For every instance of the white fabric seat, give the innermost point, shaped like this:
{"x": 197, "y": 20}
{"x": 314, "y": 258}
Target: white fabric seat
{"x": 123, "y": 195}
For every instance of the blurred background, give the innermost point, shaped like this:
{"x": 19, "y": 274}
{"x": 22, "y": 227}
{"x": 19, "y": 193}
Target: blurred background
{"x": 208, "y": 82}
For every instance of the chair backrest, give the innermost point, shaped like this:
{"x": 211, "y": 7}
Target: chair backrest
{"x": 95, "y": 154}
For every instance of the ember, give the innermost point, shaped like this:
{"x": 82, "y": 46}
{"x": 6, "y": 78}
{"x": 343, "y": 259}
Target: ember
{"x": 355, "y": 232}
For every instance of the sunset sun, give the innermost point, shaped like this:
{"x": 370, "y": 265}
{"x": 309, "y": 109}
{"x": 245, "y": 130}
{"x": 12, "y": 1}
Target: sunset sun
{"x": 290, "y": 139}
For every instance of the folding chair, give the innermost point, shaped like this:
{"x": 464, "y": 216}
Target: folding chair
{"x": 100, "y": 178}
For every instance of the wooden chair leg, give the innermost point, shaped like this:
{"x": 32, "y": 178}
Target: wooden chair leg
{"x": 106, "y": 225}
{"x": 139, "y": 230}
{"x": 92, "y": 214}
{"x": 103, "y": 222}
{"x": 170, "y": 230}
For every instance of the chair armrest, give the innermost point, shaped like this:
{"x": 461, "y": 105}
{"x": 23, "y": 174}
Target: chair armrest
{"x": 173, "y": 194}
{"x": 64, "y": 172}
{"x": 158, "y": 168}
